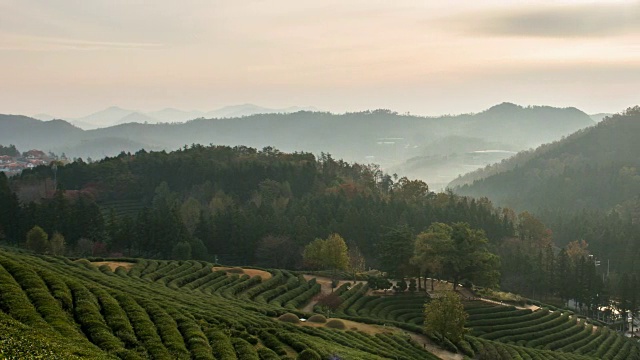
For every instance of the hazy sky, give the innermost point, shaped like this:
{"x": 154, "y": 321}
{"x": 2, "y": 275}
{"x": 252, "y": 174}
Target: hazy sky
{"x": 72, "y": 57}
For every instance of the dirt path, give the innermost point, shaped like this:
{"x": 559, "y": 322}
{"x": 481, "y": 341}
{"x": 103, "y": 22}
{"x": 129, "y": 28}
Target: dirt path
{"x": 372, "y": 329}
{"x": 433, "y": 348}
{"x": 466, "y": 293}
{"x": 265, "y": 275}
{"x": 114, "y": 264}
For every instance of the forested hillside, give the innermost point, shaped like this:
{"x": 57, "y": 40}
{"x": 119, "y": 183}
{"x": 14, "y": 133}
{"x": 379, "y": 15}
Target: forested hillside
{"x": 594, "y": 168}
{"x": 215, "y": 204}
{"x": 585, "y": 187}
{"x": 224, "y": 201}
{"x": 380, "y": 136}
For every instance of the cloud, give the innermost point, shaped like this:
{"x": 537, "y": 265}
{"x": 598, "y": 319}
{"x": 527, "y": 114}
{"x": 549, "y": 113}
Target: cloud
{"x": 559, "y": 21}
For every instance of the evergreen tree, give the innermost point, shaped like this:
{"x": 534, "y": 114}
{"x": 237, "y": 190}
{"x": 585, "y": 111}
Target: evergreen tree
{"x": 394, "y": 250}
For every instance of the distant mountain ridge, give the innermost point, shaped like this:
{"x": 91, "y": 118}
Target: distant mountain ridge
{"x": 115, "y": 115}
{"x": 380, "y": 136}
{"x": 594, "y": 168}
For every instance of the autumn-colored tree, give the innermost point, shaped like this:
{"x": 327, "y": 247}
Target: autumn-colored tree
{"x": 329, "y": 302}
{"x": 577, "y": 250}
{"x": 330, "y": 253}
{"x": 335, "y": 253}
{"x": 444, "y": 317}
{"x": 532, "y": 231}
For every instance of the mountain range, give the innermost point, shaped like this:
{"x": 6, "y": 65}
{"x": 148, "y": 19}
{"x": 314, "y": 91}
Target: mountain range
{"x": 114, "y": 115}
{"x": 435, "y": 149}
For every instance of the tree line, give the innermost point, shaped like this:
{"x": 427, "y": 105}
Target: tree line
{"x": 227, "y": 201}
{"x": 240, "y": 205}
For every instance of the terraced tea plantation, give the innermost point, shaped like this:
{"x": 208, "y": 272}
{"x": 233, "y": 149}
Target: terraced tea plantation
{"x": 52, "y": 307}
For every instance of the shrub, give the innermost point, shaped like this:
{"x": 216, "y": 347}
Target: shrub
{"x": 308, "y": 354}
{"x": 335, "y": 324}
{"x": 235, "y": 270}
{"x": 221, "y": 345}
{"x": 244, "y": 350}
{"x": 290, "y": 318}
{"x": 272, "y": 342}
{"x": 412, "y": 285}
{"x": 267, "y": 354}
{"x": 317, "y": 319}
{"x": 144, "y": 328}
{"x": 401, "y": 286}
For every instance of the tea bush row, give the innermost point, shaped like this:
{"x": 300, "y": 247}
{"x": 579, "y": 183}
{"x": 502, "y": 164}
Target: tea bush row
{"x": 506, "y": 329}
{"x": 38, "y": 294}
{"x": 534, "y": 332}
{"x": 144, "y": 327}
{"x": 221, "y": 345}
{"x": 205, "y": 280}
{"x": 167, "y": 329}
{"x": 87, "y": 314}
{"x": 499, "y": 315}
{"x": 276, "y": 279}
{"x": 116, "y": 318}
{"x": 491, "y": 324}
{"x": 301, "y": 289}
{"x": 244, "y": 350}
{"x": 194, "y": 338}
{"x": 304, "y": 297}
{"x": 352, "y": 295}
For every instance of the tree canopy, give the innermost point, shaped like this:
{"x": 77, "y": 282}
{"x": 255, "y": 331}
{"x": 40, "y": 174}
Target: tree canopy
{"x": 444, "y": 317}
{"x": 230, "y": 199}
{"x": 330, "y": 253}
{"x": 458, "y": 252}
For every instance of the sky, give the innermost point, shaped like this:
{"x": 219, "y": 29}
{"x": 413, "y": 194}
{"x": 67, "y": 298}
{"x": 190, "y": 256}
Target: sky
{"x": 69, "y": 58}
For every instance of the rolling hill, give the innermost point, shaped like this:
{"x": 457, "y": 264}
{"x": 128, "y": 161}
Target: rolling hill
{"x": 55, "y": 307}
{"x": 379, "y": 136}
{"x": 595, "y": 168}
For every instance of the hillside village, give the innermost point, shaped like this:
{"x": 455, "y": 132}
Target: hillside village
{"x": 13, "y": 162}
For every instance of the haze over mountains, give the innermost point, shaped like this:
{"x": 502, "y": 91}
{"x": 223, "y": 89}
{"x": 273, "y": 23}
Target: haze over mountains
{"x": 435, "y": 149}
{"x": 115, "y": 115}
{"x": 596, "y": 168}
